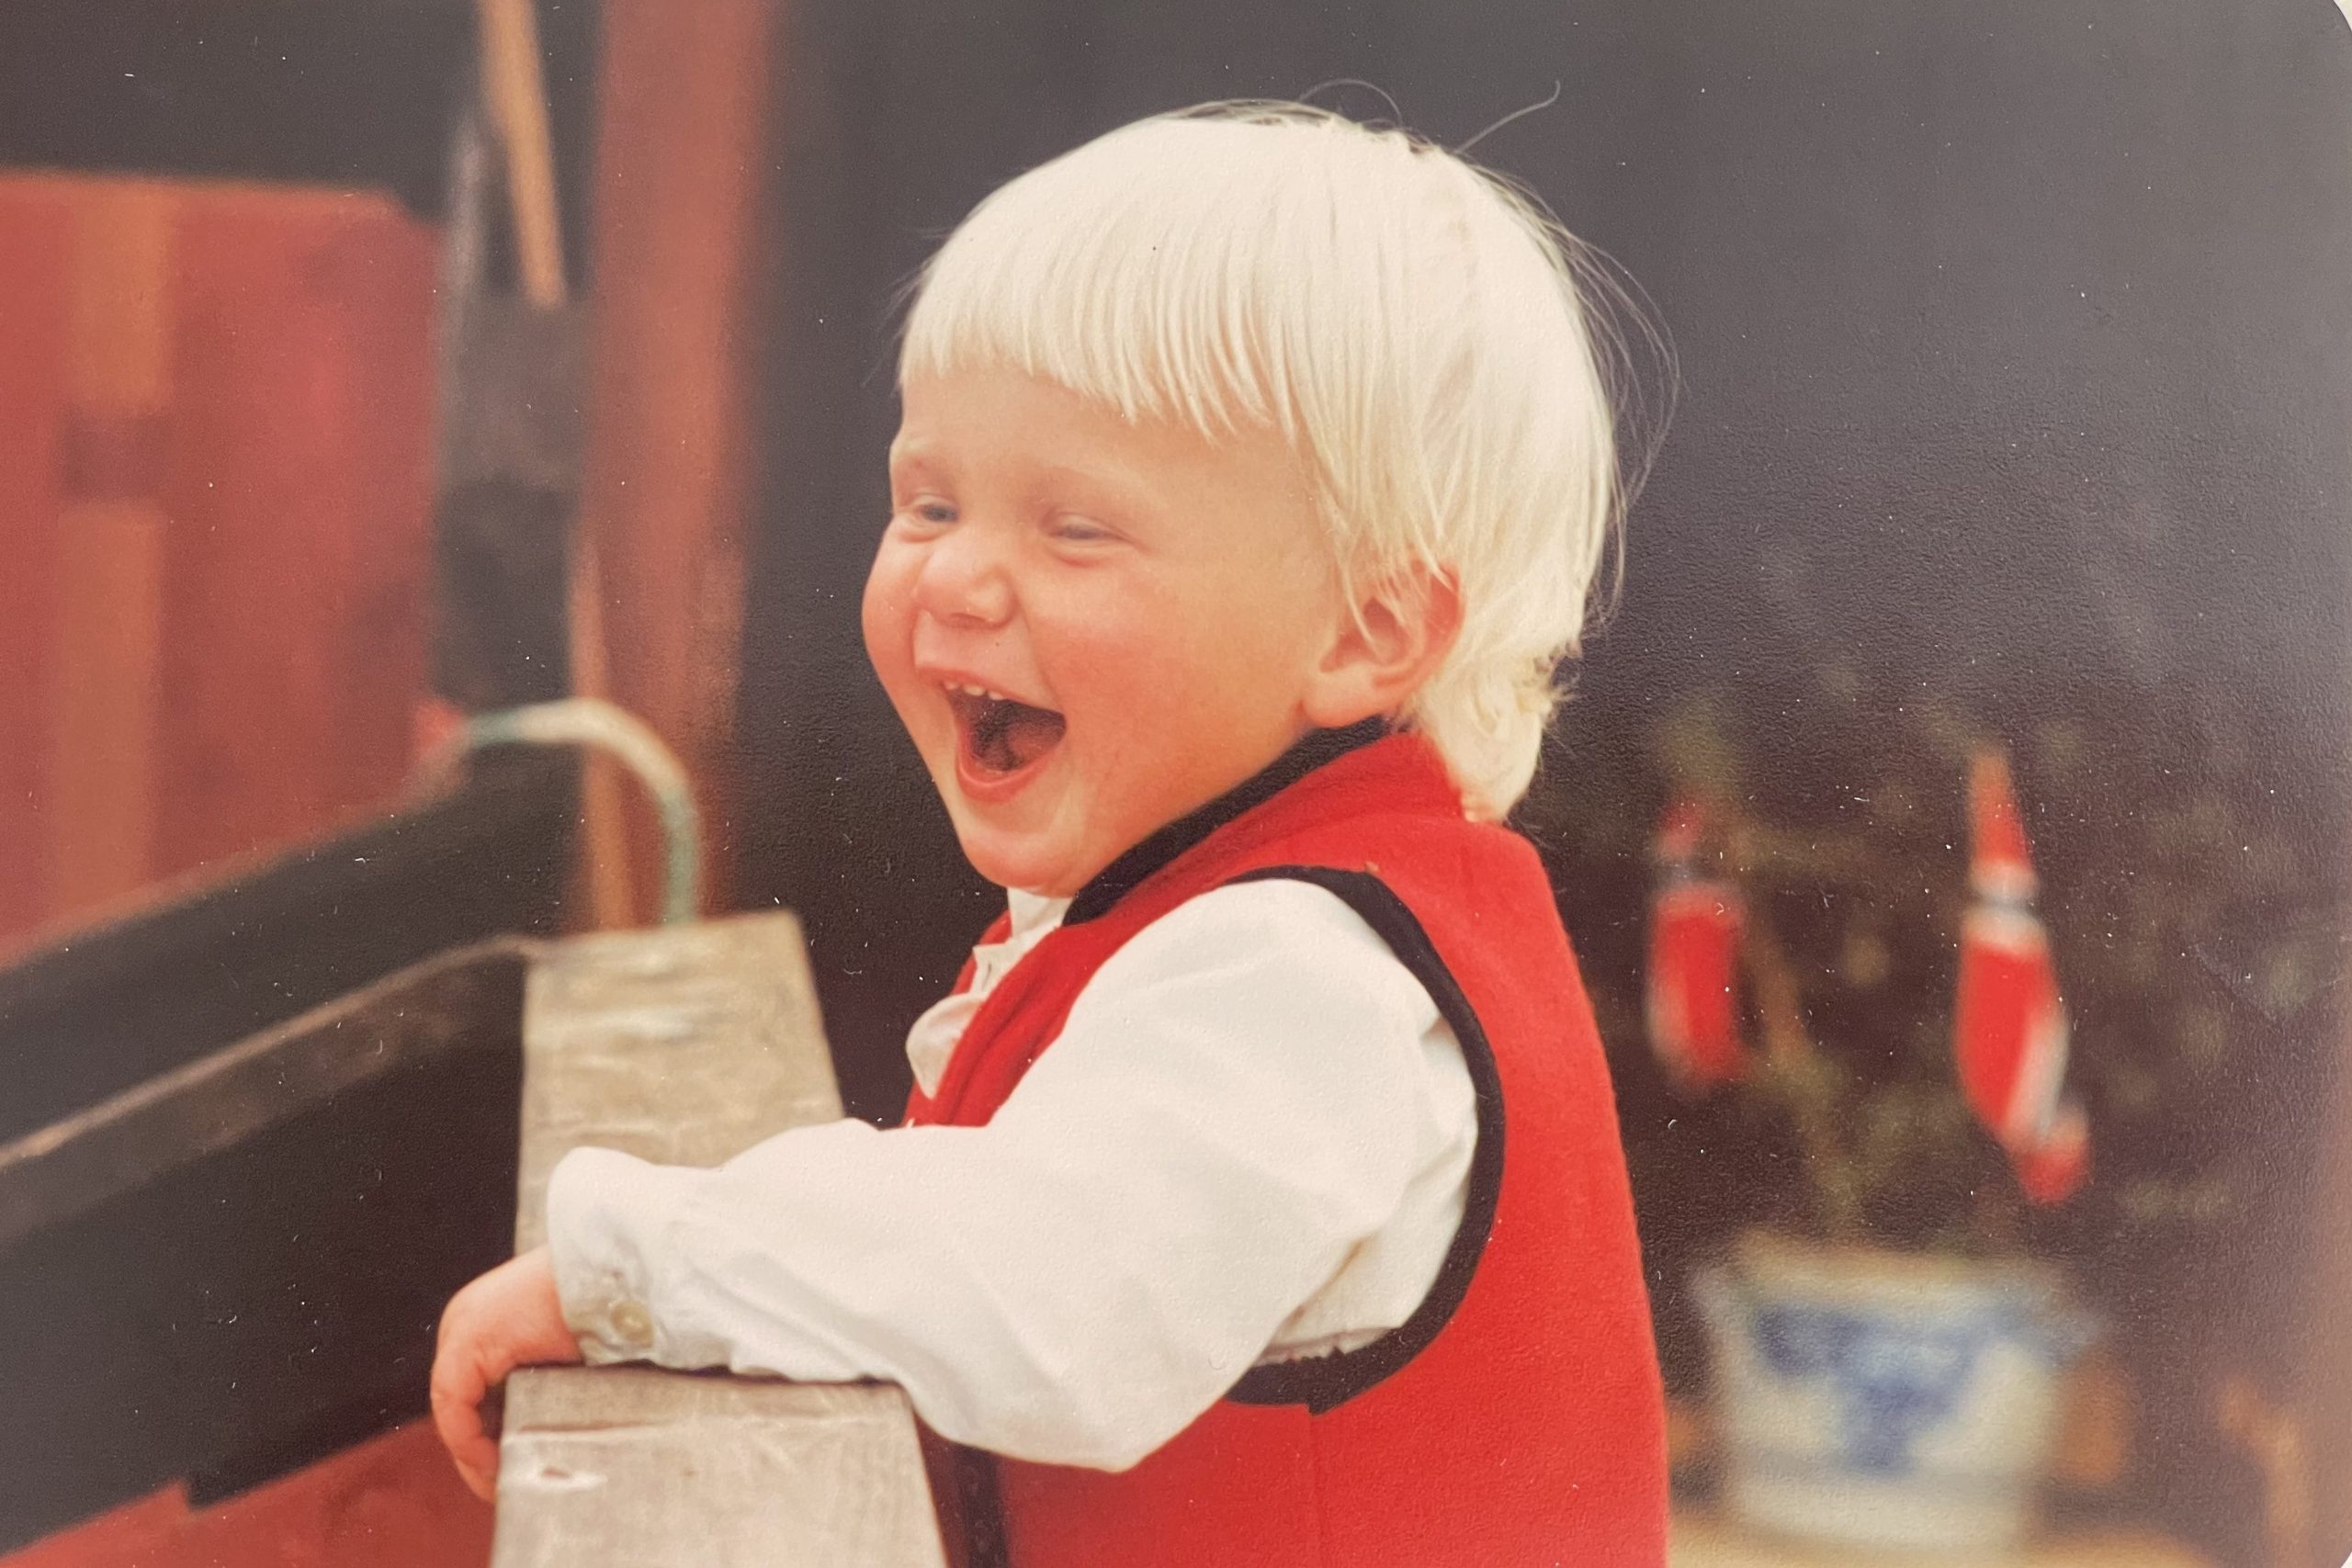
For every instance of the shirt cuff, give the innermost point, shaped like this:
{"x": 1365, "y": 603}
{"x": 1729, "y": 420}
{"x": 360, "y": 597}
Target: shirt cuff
{"x": 606, "y": 1216}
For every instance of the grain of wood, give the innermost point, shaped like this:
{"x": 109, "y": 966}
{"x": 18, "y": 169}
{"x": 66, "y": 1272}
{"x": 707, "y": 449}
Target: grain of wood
{"x": 687, "y": 1045}
{"x": 611, "y": 1465}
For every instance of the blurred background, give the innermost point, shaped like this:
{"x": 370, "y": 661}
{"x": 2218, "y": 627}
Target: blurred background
{"x": 371, "y": 366}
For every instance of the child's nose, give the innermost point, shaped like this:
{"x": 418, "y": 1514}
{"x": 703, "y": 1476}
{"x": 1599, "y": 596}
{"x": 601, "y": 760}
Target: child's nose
{"x": 963, "y": 581}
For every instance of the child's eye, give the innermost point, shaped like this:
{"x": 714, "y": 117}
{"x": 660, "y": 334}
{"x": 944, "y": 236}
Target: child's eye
{"x": 1079, "y": 531}
{"x": 928, "y": 512}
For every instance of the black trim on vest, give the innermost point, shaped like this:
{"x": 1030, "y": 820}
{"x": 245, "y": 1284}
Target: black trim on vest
{"x": 1321, "y": 1383}
{"x": 1122, "y": 875}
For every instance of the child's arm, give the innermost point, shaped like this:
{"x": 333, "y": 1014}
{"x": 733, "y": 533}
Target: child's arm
{"x": 510, "y": 1317}
{"x": 1240, "y": 1102}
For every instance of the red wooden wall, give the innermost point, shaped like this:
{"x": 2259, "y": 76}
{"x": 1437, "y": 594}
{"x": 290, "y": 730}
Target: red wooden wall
{"x": 215, "y": 495}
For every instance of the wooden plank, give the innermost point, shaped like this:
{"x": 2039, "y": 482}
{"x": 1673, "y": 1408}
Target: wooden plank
{"x": 678, "y": 240}
{"x": 53, "y": 1175}
{"x": 226, "y": 1275}
{"x": 299, "y": 491}
{"x": 245, "y": 948}
{"x": 638, "y": 1466}
{"x": 232, "y": 1214}
{"x": 687, "y": 1045}
{"x": 214, "y": 512}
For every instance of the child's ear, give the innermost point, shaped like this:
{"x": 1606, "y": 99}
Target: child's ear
{"x": 1398, "y": 634}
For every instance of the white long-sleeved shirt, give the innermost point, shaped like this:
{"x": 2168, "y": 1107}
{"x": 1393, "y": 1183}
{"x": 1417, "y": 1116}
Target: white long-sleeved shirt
{"x": 1250, "y": 1141}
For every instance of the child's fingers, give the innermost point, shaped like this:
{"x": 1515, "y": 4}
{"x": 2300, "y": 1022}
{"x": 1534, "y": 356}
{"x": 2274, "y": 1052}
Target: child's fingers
{"x": 511, "y": 1317}
{"x": 471, "y": 1446}
{"x": 460, "y": 1381}
{"x": 457, "y": 1416}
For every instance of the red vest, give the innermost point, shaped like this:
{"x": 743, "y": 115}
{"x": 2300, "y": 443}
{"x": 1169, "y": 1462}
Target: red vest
{"x": 1517, "y": 1418}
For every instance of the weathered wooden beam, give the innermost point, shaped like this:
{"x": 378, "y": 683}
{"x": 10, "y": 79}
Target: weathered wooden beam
{"x": 686, "y": 1046}
{"x": 228, "y": 1270}
{"x": 677, "y": 265}
{"x": 58, "y": 1173}
{"x": 259, "y": 942}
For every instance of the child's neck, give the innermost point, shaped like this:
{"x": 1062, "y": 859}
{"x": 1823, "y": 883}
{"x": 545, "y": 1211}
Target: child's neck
{"x": 1156, "y": 848}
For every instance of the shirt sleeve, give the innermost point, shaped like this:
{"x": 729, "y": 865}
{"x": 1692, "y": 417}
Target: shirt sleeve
{"x": 1238, "y": 1100}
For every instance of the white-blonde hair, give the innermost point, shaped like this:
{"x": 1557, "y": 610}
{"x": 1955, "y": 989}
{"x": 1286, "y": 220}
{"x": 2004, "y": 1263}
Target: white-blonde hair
{"x": 1415, "y": 326}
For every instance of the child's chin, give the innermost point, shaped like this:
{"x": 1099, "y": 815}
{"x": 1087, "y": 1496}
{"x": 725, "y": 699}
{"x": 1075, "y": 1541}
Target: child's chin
{"x": 1036, "y": 860}
{"x": 1010, "y": 867}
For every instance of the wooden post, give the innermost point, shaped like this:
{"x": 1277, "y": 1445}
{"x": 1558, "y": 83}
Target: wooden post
{"x": 681, "y": 148}
{"x": 687, "y": 1045}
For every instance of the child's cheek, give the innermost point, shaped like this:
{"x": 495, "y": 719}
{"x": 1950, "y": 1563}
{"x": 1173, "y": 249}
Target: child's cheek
{"x": 886, "y": 615}
{"x": 1114, "y": 664}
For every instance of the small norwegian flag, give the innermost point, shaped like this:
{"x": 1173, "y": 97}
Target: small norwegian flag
{"x": 1692, "y": 982}
{"x": 2008, "y": 1024}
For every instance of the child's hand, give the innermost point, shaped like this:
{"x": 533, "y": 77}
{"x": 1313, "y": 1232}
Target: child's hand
{"x": 510, "y": 1317}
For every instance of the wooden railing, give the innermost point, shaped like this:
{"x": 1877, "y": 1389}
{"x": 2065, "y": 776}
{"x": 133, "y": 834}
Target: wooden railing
{"x": 686, "y": 1045}
{"x": 219, "y": 1277}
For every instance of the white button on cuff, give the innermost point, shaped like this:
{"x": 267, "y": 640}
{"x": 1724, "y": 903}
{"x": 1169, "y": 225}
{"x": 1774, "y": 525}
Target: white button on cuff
{"x": 632, "y": 1326}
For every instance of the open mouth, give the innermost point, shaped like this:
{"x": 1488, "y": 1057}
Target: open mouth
{"x": 999, "y": 737}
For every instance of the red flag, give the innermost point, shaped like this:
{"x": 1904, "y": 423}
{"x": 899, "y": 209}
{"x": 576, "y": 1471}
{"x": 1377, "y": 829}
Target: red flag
{"x": 1693, "y": 978}
{"x": 2008, "y": 1024}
